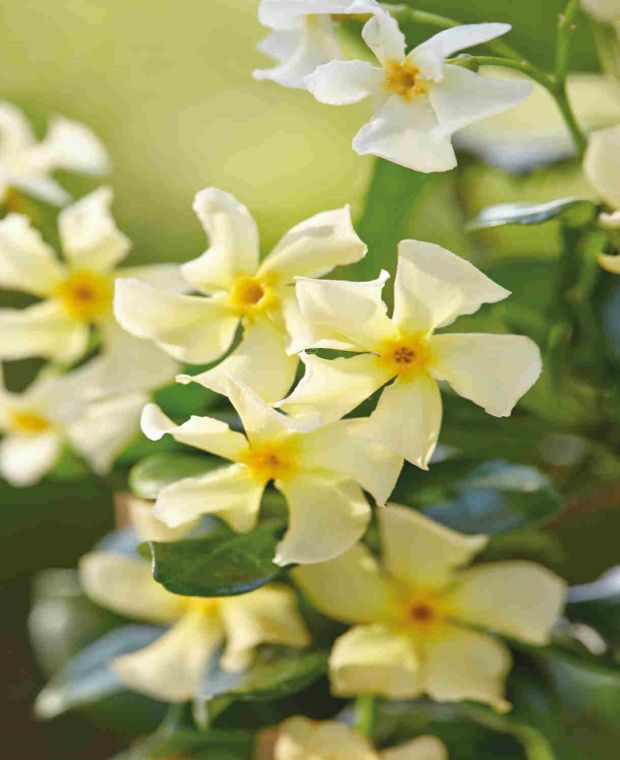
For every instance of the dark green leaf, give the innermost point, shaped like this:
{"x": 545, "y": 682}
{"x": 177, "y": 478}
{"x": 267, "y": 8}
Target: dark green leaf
{"x": 222, "y": 563}
{"x": 572, "y": 211}
{"x": 156, "y": 472}
{"x": 193, "y": 745}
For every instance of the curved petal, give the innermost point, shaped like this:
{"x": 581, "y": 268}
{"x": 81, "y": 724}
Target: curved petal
{"x": 325, "y": 519}
{"x": 286, "y": 14}
{"x": 268, "y": 615}
{"x": 229, "y": 492}
{"x": 408, "y": 419}
{"x": 373, "y": 659}
{"x": 603, "y": 10}
{"x": 146, "y": 525}
{"x": 350, "y": 588}
{"x": 73, "y": 147}
{"x": 434, "y": 51}
{"x": 89, "y": 235}
{"x": 171, "y": 668}
{"x": 315, "y": 247}
{"x": 27, "y": 262}
{"x": 233, "y": 242}
{"x": 434, "y": 286}
{"x": 515, "y": 598}
{"x": 493, "y": 371}
{"x": 161, "y": 276}
{"x": 25, "y": 459}
{"x": 334, "y": 387}
{"x": 422, "y": 748}
{"x": 341, "y": 83}
{"x": 464, "y": 664}
{"x": 16, "y": 134}
{"x": 190, "y": 328}
{"x": 125, "y": 585}
{"x": 350, "y": 316}
{"x": 300, "y": 738}
{"x": 423, "y": 553}
{"x": 384, "y": 37}
{"x": 260, "y": 361}
{"x": 407, "y": 133}
{"x": 602, "y": 164}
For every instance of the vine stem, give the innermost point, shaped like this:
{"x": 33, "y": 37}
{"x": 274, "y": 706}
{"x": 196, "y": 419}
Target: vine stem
{"x": 365, "y": 714}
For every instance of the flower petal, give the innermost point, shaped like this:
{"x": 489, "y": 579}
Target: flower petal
{"x": 434, "y": 286}
{"x": 493, "y": 371}
{"x": 407, "y": 133}
{"x": 384, "y": 37}
{"x": 350, "y": 588}
{"x": 268, "y": 615}
{"x": 16, "y": 134}
{"x": 299, "y": 738}
{"x": 126, "y": 586}
{"x": 326, "y": 517}
{"x": 515, "y": 598}
{"x": 340, "y": 83}
{"x": 443, "y": 44}
{"x": 27, "y": 262}
{"x": 25, "y": 459}
{"x": 229, "y": 492}
{"x": 161, "y": 276}
{"x": 172, "y": 668}
{"x": 373, "y": 659}
{"x": 146, "y": 525}
{"x": 233, "y": 242}
{"x": 72, "y": 146}
{"x": 89, "y": 235}
{"x": 286, "y": 14}
{"x": 420, "y": 552}
{"x": 417, "y": 403}
{"x": 422, "y": 748}
{"x": 602, "y": 164}
{"x": 190, "y": 328}
{"x": 464, "y": 664}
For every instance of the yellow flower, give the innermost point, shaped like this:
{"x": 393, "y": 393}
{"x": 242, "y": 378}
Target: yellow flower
{"x": 241, "y": 290}
{"x": 419, "y": 617}
{"x": 433, "y": 287}
{"x": 320, "y": 471}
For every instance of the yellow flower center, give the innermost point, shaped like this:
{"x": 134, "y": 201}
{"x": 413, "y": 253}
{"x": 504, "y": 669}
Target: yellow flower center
{"x": 250, "y": 296}
{"x": 271, "y": 461}
{"x": 344, "y": 17}
{"x": 404, "y": 79}
{"x": 405, "y": 356}
{"x": 423, "y": 613}
{"x": 29, "y": 423}
{"x": 203, "y": 604}
{"x": 86, "y": 295}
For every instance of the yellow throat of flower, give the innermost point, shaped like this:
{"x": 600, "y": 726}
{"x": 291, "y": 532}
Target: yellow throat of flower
{"x": 203, "y": 605}
{"x": 27, "y": 422}
{"x": 86, "y": 296}
{"x": 251, "y": 296}
{"x": 403, "y": 79}
{"x": 406, "y": 356}
{"x": 271, "y": 461}
{"x": 423, "y": 613}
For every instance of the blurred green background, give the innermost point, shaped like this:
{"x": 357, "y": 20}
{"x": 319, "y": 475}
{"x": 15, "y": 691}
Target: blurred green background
{"x": 167, "y": 86}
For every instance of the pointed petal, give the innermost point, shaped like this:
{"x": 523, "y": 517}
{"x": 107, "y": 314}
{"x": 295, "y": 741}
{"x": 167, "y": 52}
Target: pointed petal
{"x": 493, "y": 371}
{"x": 518, "y": 599}
{"x": 384, "y": 37}
{"x": 146, "y": 525}
{"x": 72, "y": 146}
{"x": 16, "y": 134}
{"x": 340, "y": 83}
{"x": 423, "y": 553}
{"x": 443, "y": 44}
{"x": 299, "y": 738}
{"x": 423, "y": 748}
{"x": 602, "y": 164}
{"x": 161, "y": 276}
{"x": 286, "y": 14}
{"x": 25, "y": 459}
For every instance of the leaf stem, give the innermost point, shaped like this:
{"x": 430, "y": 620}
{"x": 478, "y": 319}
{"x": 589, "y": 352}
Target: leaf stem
{"x": 566, "y": 27}
{"x": 365, "y": 714}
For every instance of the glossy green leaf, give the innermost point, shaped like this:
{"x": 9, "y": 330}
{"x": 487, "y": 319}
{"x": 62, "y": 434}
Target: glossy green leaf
{"x": 572, "y": 211}
{"x": 222, "y": 563}
{"x": 211, "y": 745}
{"x": 156, "y": 472}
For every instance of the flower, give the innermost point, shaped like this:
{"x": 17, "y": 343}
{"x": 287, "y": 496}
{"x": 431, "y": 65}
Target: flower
{"x": 433, "y": 287}
{"x": 319, "y": 470}
{"x": 420, "y": 99}
{"x": 304, "y": 35}
{"x": 26, "y": 164}
{"x": 77, "y": 293}
{"x": 418, "y": 617}
{"x": 303, "y": 739}
{"x": 171, "y": 668}
{"x": 241, "y": 290}
{"x": 604, "y": 10}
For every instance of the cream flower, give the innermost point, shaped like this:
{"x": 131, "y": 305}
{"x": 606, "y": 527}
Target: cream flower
{"x": 433, "y": 287}
{"x": 603, "y": 10}
{"x": 304, "y": 35}
{"x": 417, "y": 618}
{"x": 26, "y": 164}
{"x": 78, "y": 292}
{"x": 420, "y": 99}
{"x": 303, "y": 739}
{"x": 172, "y": 668}
{"x": 320, "y": 471}
{"x": 241, "y": 289}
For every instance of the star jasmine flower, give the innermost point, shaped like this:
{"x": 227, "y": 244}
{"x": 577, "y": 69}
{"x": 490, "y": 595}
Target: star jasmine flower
{"x": 26, "y": 164}
{"x": 607, "y": 11}
{"x": 240, "y": 290}
{"x": 320, "y": 471}
{"x": 433, "y": 287}
{"x": 421, "y": 614}
{"x": 420, "y": 98}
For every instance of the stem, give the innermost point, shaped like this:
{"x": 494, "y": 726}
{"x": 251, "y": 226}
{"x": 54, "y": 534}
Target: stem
{"x": 566, "y": 27}
{"x": 525, "y": 67}
{"x": 365, "y": 715}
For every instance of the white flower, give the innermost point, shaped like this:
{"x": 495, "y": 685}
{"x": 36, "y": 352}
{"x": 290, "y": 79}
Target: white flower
{"x": 304, "y": 35}
{"x": 26, "y": 164}
{"x": 320, "y": 471}
{"x": 419, "y": 618}
{"x": 603, "y": 10}
{"x": 242, "y": 290}
{"x": 76, "y": 292}
{"x": 172, "y": 668}
{"x": 433, "y": 287}
{"x": 420, "y": 99}
{"x": 303, "y": 739}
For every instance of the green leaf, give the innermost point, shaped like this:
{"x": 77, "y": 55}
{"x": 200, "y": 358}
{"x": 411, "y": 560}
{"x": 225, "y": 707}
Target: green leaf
{"x": 223, "y": 563}
{"x": 154, "y": 473}
{"x": 223, "y": 745}
{"x": 87, "y": 677}
{"x": 598, "y": 604}
{"x": 572, "y": 211}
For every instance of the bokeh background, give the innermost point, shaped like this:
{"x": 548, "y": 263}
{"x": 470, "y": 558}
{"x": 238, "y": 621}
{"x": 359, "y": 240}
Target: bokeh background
{"x": 167, "y": 86}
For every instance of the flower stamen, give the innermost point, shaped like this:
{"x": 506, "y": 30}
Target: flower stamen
{"x": 403, "y": 79}
{"x": 270, "y": 461}
{"x": 405, "y": 357}
{"x": 250, "y": 296}
{"x": 28, "y": 422}
{"x": 86, "y": 296}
